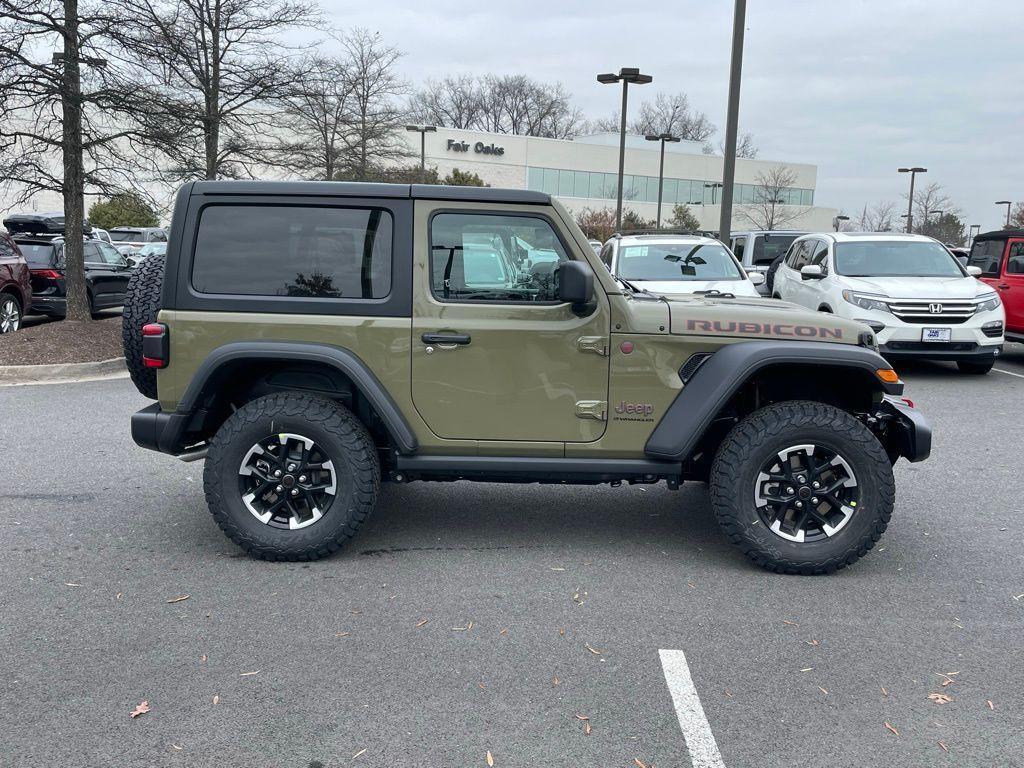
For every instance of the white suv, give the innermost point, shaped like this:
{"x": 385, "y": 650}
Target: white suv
{"x": 678, "y": 264}
{"x": 919, "y": 300}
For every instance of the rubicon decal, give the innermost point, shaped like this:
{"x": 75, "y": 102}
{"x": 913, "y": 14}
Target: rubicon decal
{"x": 764, "y": 329}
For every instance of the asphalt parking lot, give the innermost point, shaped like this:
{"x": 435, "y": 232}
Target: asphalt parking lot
{"x": 474, "y": 619}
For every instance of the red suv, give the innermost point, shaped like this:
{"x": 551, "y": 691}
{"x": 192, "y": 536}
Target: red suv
{"x": 1000, "y": 257}
{"x": 15, "y": 285}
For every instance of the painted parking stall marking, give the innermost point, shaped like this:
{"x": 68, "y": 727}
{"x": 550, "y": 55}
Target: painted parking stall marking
{"x": 700, "y": 741}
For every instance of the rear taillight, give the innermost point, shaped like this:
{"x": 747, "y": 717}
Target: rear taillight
{"x": 46, "y": 274}
{"x": 156, "y": 345}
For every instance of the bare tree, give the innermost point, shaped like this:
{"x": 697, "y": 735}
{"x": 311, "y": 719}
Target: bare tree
{"x": 64, "y": 118}
{"x": 316, "y": 115}
{"x": 1017, "y": 217}
{"x": 514, "y": 104}
{"x": 454, "y": 102}
{"x": 217, "y": 65}
{"x": 931, "y": 201}
{"x": 671, "y": 113}
{"x": 769, "y": 211}
{"x": 879, "y": 217}
{"x": 375, "y": 109}
{"x": 744, "y": 147}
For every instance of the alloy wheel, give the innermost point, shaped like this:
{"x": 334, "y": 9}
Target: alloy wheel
{"x": 806, "y": 493}
{"x": 10, "y": 315}
{"x": 287, "y": 481}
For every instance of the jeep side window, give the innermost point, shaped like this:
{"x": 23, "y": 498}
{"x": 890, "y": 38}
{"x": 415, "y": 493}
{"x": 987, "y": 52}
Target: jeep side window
{"x": 294, "y": 251}
{"x": 468, "y": 261}
{"x": 1015, "y": 260}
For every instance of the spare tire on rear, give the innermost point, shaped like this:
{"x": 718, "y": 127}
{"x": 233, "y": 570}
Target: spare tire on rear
{"x": 141, "y": 305}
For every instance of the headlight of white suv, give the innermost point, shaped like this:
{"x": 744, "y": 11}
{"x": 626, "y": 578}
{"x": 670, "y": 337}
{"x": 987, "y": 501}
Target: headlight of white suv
{"x": 867, "y": 300}
{"x": 987, "y": 302}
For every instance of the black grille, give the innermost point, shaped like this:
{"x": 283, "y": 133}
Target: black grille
{"x": 992, "y": 331}
{"x": 692, "y": 364}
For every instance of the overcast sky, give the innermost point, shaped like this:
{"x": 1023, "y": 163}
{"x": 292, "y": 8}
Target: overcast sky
{"x": 857, "y": 88}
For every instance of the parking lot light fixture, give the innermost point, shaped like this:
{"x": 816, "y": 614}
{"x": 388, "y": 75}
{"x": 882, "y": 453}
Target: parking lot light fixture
{"x": 423, "y": 130}
{"x": 662, "y": 137}
{"x": 910, "y": 203}
{"x": 1008, "y": 204}
{"x": 837, "y": 219}
{"x": 626, "y": 76}
{"x": 714, "y": 186}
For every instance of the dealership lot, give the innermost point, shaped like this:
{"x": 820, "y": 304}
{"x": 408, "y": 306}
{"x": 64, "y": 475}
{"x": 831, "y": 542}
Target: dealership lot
{"x": 439, "y": 634}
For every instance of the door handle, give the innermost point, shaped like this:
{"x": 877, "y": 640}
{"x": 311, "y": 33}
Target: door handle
{"x": 1003, "y": 287}
{"x": 446, "y": 339}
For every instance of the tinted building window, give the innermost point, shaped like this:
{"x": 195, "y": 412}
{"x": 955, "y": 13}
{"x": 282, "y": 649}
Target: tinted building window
{"x": 256, "y": 250}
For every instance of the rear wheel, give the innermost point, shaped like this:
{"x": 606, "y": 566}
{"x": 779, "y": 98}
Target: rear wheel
{"x": 141, "y": 305}
{"x": 976, "y": 369}
{"x": 802, "y": 487}
{"x": 10, "y": 313}
{"x": 291, "y": 477}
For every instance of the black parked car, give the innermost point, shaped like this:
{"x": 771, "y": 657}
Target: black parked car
{"x": 106, "y": 274}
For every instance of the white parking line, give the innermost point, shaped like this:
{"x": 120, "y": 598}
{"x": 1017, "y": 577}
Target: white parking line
{"x": 1010, "y": 373}
{"x": 696, "y": 730}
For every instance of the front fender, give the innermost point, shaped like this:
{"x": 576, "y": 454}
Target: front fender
{"x": 722, "y": 374}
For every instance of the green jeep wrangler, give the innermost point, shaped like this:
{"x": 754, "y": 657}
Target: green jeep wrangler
{"x": 313, "y": 339}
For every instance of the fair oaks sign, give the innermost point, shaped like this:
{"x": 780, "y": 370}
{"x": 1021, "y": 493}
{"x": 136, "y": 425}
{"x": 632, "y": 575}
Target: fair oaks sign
{"x": 480, "y": 148}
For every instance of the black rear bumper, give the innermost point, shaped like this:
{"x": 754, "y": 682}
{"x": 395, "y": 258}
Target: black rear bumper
{"x": 158, "y": 430}
{"x": 908, "y": 433}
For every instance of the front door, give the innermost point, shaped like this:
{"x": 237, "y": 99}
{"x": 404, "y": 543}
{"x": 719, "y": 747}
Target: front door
{"x": 107, "y": 273}
{"x": 1011, "y": 286}
{"x": 495, "y": 355}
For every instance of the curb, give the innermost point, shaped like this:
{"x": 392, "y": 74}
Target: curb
{"x": 11, "y": 375}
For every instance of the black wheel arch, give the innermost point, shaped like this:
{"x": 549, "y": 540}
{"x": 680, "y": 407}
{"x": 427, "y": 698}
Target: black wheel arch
{"x": 240, "y": 371}
{"x": 742, "y": 377}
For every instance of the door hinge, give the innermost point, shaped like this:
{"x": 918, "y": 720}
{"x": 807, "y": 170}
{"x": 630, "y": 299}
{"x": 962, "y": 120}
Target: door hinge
{"x": 592, "y": 409}
{"x": 596, "y": 344}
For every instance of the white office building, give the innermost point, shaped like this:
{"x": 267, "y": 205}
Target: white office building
{"x": 583, "y": 172}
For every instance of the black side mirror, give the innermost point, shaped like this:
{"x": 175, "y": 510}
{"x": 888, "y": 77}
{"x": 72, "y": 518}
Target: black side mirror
{"x": 575, "y": 283}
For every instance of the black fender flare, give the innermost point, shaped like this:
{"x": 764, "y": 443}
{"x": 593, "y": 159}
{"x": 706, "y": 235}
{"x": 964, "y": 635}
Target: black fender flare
{"x": 344, "y": 360}
{"x": 722, "y": 374}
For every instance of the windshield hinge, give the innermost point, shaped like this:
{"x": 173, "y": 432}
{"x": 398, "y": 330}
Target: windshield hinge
{"x": 595, "y": 344}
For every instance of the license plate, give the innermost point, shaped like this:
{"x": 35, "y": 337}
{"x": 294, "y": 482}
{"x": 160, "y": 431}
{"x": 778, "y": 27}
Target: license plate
{"x": 936, "y": 334}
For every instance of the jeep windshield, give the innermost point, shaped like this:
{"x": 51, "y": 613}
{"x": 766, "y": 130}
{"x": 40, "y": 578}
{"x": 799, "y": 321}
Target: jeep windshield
{"x": 890, "y": 258}
{"x": 677, "y": 261}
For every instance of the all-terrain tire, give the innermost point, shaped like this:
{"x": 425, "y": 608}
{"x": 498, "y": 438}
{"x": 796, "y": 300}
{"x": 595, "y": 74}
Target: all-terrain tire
{"x": 975, "y": 369}
{"x": 769, "y": 430}
{"x": 335, "y": 430}
{"x": 141, "y": 305}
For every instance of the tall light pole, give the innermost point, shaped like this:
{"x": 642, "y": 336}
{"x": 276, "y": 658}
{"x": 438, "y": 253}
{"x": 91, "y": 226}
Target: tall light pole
{"x": 910, "y": 205}
{"x": 972, "y": 232}
{"x": 837, "y": 219}
{"x": 662, "y": 137}
{"x": 1007, "y": 203}
{"x": 714, "y": 186}
{"x": 626, "y": 75}
{"x": 422, "y": 130}
{"x": 732, "y": 119}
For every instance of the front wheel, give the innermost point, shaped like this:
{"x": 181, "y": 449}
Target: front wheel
{"x": 802, "y": 487}
{"x": 291, "y": 476}
{"x": 975, "y": 369}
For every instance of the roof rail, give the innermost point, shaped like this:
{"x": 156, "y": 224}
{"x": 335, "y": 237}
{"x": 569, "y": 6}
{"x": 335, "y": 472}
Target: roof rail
{"x": 661, "y": 232}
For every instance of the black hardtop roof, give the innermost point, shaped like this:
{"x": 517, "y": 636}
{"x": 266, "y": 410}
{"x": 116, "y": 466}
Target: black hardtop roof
{"x": 999, "y": 234}
{"x": 369, "y": 189}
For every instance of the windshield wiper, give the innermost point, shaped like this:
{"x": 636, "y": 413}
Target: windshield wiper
{"x": 632, "y": 286}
